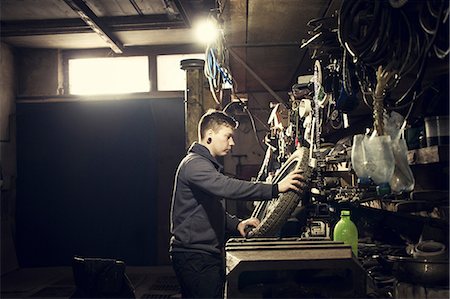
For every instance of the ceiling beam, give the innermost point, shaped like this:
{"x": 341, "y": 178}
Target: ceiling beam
{"x": 43, "y": 27}
{"x": 183, "y": 12}
{"x": 90, "y": 18}
{"x": 190, "y": 10}
{"x": 63, "y": 26}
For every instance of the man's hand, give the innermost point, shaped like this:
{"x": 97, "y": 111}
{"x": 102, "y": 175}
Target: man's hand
{"x": 250, "y": 222}
{"x": 293, "y": 181}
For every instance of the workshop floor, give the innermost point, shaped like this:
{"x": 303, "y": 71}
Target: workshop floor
{"x": 57, "y": 282}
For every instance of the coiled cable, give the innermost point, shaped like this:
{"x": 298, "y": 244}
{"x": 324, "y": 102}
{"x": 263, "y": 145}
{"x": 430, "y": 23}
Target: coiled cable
{"x": 374, "y": 33}
{"x": 216, "y": 70}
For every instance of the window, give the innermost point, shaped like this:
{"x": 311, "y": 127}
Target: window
{"x": 113, "y": 75}
{"x": 170, "y": 76}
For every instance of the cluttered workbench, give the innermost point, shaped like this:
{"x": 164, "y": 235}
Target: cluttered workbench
{"x": 292, "y": 267}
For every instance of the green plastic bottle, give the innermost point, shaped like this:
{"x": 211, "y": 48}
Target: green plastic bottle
{"x": 346, "y": 231}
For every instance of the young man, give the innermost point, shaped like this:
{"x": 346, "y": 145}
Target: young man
{"x": 198, "y": 219}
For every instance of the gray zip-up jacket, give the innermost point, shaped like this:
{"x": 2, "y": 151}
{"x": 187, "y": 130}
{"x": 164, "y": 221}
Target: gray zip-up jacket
{"x": 197, "y": 215}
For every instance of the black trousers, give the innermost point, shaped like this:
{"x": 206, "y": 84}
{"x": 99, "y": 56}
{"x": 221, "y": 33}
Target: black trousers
{"x": 199, "y": 275}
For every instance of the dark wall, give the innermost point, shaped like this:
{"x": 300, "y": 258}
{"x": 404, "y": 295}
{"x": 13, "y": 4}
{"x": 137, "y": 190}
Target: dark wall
{"x": 88, "y": 178}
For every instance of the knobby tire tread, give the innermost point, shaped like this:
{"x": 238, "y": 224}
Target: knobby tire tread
{"x": 272, "y": 222}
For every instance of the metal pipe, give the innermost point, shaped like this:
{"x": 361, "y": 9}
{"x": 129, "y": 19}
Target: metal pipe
{"x": 136, "y": 7}
{"x": 261, "y": 81}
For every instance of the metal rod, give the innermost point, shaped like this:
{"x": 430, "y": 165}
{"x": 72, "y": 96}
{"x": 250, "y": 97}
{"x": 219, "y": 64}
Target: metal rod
{"x": 136, "y": 7}
{"x": 255, "y": 75}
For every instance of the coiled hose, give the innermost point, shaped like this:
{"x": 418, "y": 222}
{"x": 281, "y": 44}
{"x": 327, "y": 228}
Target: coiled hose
{"x": 375, "y": 33}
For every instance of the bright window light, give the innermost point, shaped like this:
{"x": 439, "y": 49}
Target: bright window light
{"x": 113, "y": 75}
{"x": 170, "y": 76}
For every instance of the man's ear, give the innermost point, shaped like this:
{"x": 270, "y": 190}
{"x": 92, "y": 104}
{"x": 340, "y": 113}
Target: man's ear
{"x": 208, "y": 136}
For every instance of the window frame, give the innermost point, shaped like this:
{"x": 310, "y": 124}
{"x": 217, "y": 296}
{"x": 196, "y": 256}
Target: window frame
{"x": 144, "y": 75}
{"x": 151, "y": 51}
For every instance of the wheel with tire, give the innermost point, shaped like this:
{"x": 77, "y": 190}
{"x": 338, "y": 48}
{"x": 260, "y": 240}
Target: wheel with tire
{"x": 273, "y": 214}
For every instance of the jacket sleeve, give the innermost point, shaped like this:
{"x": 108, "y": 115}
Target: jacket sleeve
{"x": 202, "y": 174}
{"x": 232, "y": 222}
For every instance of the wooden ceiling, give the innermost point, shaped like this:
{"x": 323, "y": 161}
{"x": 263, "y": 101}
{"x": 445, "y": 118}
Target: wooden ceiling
{"x": 265, "y": 34}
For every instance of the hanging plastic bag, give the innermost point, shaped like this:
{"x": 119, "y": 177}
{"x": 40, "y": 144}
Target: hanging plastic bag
{"x": 379, "y": 153}
{"x": 384, "y": 158}
{"x": 403, "y": 179}
{"x": 358, "y": 155}
{"x": 373, "y": 157}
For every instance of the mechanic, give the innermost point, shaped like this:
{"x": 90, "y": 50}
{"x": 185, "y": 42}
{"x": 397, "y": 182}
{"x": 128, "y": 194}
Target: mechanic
{"x": 198, "y": 218}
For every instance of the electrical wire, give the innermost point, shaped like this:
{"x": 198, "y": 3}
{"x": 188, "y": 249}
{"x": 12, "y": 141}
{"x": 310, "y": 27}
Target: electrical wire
{"x": 250, "y": 116}
{"x": 421, "y": 72}
{"x": 216, "y": 66}
{"x": 374, "y": 34}
{"x": 212, "y": 74}
{"x": 444, "y": 33}
{"x": 217, "y": 72}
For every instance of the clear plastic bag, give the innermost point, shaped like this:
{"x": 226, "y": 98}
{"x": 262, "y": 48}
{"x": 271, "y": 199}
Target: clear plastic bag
{"x": 403, "y": 179}
{"x": 373, "y": 157}
{"x": 358, "y": 154}
{"x": 384, "y": 158}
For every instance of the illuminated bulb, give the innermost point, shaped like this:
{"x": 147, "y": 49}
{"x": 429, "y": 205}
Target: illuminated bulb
{"x": 206, "y": 31}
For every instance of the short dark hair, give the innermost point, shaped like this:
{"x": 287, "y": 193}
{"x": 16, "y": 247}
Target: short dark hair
{"x": 212, "y": 119}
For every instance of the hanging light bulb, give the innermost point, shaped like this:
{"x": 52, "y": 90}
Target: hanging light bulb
{"x": 206, "y": 31}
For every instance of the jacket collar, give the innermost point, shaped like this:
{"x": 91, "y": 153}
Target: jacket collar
{"x": 203, "y": 151}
